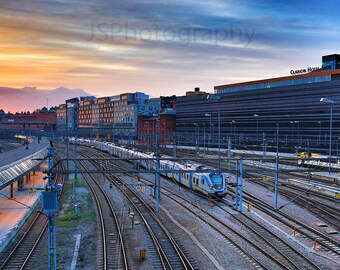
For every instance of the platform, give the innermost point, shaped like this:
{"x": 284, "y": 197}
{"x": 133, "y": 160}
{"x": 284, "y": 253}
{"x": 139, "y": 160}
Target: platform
{"x": 14, "y": 212}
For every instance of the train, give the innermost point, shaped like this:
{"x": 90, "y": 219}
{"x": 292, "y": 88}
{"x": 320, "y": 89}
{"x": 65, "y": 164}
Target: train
{"x": 209, "y": 182}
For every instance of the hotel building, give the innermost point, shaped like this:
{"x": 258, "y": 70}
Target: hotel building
{"x": 287, "y": 108}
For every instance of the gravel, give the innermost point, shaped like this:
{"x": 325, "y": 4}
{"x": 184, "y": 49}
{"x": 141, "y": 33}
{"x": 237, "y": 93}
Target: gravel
{"x": 207, "y": 248}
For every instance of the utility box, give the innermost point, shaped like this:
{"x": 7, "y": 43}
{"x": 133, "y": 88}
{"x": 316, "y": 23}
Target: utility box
{"x": 49, "y": 202}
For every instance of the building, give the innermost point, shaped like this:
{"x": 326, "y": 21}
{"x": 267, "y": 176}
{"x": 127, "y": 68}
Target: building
{"x": 158, "y": 122}
{"x": 67, "y": 116}
{"x": 38, "y": 121}
{"x": 127, "y": 108}
{"x": 285, "y": 109}
{"x": 85, "y": 112}
{"x": 115, "y": 115}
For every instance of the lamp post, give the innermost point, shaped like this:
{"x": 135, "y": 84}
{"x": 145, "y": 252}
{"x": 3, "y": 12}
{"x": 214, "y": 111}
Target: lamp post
{"x": 330, "y": 102}
{"x": 233, "y": 122}
{"x": 66, "y": 127}
{"x": 196, "y": 139}
{"x": 292, "y": 122}
{"x": 157, "y": 184}
{"x": 204, "y": 139}
{"x": 257, "y": 127}
{"x": 209, "y": 115}
{"x": 218, "y": 98}
{"x": 298, "y": 131}
{"x": 277, "y": 140}
{"x": 319, "y": 138}
{"x": 148, "y": 136}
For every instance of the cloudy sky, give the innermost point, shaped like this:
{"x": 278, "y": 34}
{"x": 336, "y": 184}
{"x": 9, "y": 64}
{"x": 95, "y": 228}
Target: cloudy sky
{"x": 160, "y": 47}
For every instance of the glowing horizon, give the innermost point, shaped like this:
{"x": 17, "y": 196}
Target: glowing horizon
{"x": 159, "y": 47}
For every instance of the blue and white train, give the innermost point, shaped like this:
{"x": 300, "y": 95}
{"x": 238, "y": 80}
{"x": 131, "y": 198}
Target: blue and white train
{"x": 209, "y": 181}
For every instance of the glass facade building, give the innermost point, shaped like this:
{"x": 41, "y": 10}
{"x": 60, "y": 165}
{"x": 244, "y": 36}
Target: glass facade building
{"x": 251, "y": 111}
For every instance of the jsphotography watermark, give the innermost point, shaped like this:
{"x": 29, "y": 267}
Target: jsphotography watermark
{"x": 183, "y": 36}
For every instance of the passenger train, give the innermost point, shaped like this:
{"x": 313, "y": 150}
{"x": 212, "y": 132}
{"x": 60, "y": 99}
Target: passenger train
{"x": 209, "y": 181}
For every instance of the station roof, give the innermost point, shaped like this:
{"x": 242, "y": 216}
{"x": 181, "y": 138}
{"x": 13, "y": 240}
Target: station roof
{"x": 15, "y": 169}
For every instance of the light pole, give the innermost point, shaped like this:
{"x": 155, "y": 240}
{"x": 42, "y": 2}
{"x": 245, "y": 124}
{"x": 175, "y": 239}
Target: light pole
{"x": 148, "y": 136}
{"x": 319, "y": 139}
{"x": 218, "y": 98}
{"x": 204, "y": 139}
{"x": 157, "y": 184}
{"x": 330, "y": 102}
{"x": 196, "y": 140}
{"x": 277, "y": 140}
{"x": 257, "y": 127}
{"x": 213, "y": 132}
{"x": 66, "y": 126}
{"x": 298, "y": 131}
{"x": 209, "y": 115}
{"x": 234, "y": 122}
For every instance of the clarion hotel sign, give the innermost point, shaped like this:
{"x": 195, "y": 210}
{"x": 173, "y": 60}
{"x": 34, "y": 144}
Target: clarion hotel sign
{"x": 309, "y": 69}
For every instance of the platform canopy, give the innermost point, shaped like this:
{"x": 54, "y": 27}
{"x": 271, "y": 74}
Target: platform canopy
{"x": 18, "y": 169}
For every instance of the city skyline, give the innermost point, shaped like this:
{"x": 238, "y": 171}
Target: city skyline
{"x": 159, "y": 47}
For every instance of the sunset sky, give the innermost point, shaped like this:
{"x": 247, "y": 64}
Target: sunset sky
{"x": 160, "y": 47}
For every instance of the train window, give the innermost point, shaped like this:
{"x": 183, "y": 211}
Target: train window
{"x": 202, "y": 181}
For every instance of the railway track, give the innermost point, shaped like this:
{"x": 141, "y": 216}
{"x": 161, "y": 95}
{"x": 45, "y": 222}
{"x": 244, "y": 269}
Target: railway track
{"x": 327, "y": 243}
{"x": 325, "y": 212}
{"x": 165, "y": 252}
{"x": 272, "y": 246}
{"x": 18, "y": 255}
{"x": 283, "y": 255}
{"x": 290, "y": 256}
{"x": 112, "y": 250}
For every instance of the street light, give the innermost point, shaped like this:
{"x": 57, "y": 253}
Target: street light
{"x": 218, "y": 98}
{"x": 209, "y": 115}
{"x": 196, "y": 140}
{"x": 234, "y": 122}
{"x": 148, "y": 136}
{"x": 330, "y": 102}
{"x": 319, "y": 139}
{"x": 298, "y": 131}
{"x": 277, "y": 140}
{"x": 204, "y": 139}
{"x": 292, "y": 122}
{"x": 257, "y": 127}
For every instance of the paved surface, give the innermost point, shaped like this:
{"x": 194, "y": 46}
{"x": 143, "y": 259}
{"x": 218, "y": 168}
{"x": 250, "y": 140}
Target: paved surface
{"x": 21, "y": 152}
{"x": 13, "y": 211}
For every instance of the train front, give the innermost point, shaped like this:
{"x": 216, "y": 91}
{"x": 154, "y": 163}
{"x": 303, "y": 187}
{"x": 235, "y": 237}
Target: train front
{"x": 218, "y": 184}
